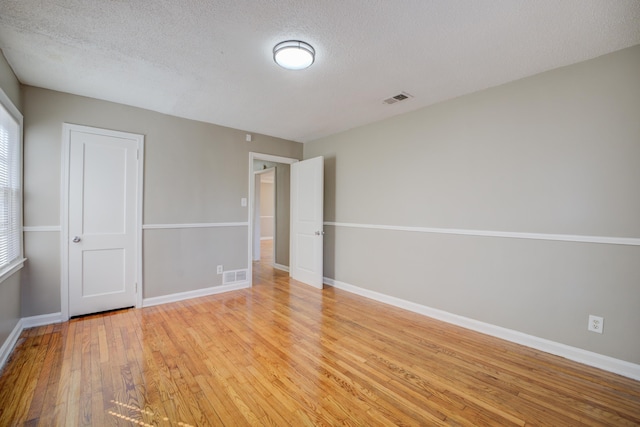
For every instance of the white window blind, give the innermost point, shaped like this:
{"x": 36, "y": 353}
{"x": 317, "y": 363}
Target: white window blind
{"x": 10, "y": 187}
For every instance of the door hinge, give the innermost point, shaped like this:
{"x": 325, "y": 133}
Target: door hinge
{"x": 137, "y": 154}
{"x": 136, "y": 288}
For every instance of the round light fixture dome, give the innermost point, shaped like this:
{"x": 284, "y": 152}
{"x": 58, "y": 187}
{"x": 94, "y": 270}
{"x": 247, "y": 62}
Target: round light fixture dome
{"x": 294, "y": 54}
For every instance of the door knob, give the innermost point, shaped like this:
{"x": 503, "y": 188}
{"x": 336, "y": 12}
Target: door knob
{"x": 76, "y": 239}
{"x": 319, "y": 233}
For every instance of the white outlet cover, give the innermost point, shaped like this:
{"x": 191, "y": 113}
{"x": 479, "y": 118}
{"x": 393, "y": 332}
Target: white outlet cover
{"x": 596, "y": 324}
{"x": 243, "y": 202}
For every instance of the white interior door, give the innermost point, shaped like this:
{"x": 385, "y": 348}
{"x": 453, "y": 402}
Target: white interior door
{"x": 102, "y": 219}
{"x": 307, "y": 235}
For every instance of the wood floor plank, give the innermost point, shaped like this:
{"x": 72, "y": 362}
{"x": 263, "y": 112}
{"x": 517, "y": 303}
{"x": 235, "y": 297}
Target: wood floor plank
{"x": 50, "y": 341}
{"x": 25, "y": 385}
{"x": 56, "y": 353}
{"x": 283, "y": 353}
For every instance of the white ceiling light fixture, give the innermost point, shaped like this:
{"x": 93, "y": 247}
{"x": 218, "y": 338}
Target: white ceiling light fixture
{"x": 294, "y": 54}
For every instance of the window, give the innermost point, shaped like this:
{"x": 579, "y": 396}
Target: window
{"x": 11, "y": 255}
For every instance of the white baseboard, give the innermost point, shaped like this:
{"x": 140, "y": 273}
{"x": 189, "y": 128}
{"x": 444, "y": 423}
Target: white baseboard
{"x": 9, "y": 343}
{"x": 281, "y": 267}
{"x": 43, "y": 319}
{"x": 165, "y": 299}
{"x": 617, "y": 366}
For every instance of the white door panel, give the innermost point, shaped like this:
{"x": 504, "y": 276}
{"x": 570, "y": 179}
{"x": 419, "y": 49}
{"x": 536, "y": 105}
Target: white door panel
{"x": 103, "y": 272}
{"x": 102, "y": 220}
{"x": 307, "y": 198}
{"x": 105, "y": 172}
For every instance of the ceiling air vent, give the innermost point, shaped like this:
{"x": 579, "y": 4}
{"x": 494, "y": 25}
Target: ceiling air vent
{"x": 397, "y": 98}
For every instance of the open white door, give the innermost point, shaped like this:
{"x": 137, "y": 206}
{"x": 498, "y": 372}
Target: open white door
{"x": 307, "y": 197}
{"x": 102, "y": 219}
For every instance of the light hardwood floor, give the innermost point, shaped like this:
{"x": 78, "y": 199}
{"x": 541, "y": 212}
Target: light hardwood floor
{"x": 282, "y": 353}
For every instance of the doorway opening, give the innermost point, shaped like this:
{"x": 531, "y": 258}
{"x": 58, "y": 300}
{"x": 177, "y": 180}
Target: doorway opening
{"x": 269, "y": 211}
{"x": 265, "y": 214}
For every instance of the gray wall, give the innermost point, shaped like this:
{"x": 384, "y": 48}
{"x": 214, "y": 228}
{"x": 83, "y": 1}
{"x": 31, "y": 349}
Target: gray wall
{"x": 556, "y": 153}
{"x": 283, "y": 210}
{"x": 10, "y": 287}
{"x": 194, "y": 173}
{"x": 9, "y": 83}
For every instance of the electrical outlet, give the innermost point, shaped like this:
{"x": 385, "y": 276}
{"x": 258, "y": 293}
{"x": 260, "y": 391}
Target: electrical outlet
{"x": 596, "y": 324}
{"x": 219, "y": 269}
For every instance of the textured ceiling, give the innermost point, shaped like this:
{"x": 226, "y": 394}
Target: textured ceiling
{"x": 212, "y": 60}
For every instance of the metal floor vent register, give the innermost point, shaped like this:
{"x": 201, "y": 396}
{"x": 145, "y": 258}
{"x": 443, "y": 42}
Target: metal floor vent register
{"x": 234, "y": 276}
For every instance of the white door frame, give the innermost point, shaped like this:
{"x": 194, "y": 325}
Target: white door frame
{"x": 268, "y": 158}
{"x": 64, "y": 210}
